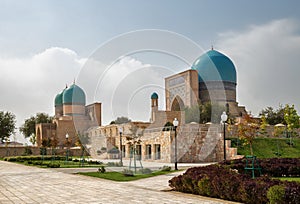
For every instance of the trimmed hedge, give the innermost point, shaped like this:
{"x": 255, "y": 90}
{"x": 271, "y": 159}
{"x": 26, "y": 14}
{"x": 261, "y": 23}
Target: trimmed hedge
{"x": 274, "y": 167}
{"x": 33, "y": 158}
{"x": 222, "y": 182}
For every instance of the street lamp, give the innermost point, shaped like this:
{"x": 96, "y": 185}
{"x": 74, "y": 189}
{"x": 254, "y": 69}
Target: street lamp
{"x": 121, "y": 131}
{"x": 175, "y": 123}
{"x": 224, "y": 119}
{"x": 67, "y": 152}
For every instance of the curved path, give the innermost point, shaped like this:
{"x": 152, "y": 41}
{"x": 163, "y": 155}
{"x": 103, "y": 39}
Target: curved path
{"x": 25, "y": 184}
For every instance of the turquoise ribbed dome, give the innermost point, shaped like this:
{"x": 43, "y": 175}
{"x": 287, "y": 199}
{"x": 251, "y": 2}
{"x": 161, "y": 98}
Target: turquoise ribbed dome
{"x": 73, "y": 95}
{"x": 215, "y": 66}
{"x": 58, "y": 101}
{"x": 154, "y": 96}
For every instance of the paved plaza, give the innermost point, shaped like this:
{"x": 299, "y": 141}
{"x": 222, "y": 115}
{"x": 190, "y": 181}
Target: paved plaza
{"x": 25, "y": 184}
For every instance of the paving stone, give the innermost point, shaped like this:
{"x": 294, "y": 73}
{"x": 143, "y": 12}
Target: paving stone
{"x": 25, "y": 184}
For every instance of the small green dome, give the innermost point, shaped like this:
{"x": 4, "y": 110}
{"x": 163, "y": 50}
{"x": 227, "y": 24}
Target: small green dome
{"x": 58, "y": 100}
{"x": 73, "y": 95}
{"x": 215, "y": 66}
{"x": 154, "y": 96}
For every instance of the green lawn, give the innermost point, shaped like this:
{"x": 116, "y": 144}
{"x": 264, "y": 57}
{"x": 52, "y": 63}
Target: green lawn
{"x": 117, "y": 176}
{"x": 268, "y": 148}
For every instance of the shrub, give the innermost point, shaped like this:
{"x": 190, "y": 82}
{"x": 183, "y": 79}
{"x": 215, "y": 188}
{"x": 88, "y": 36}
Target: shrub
{"x": 145, "y": 171}
{"x": 274, "y": 167}
{"x": 53, "y": 165}
{"x": 102, "y": 169}
{"x": 275, "y": 194}
{"x": 37, "y": 163}
{"x": 223, "y": 182}
{"x": 127, "y": 172}
{"x": 166, "y": 168}
{"x": 95, "y": 162}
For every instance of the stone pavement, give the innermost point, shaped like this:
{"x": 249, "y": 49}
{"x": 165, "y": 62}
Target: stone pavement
{"x": 25, "y": 184}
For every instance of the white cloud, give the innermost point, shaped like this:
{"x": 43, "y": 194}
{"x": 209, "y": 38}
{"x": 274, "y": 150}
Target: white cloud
{"x": 267, "y": 61}
{"x": 29, "y": 85}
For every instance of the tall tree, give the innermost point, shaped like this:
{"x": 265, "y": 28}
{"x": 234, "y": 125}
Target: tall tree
{"x": 272, "y": 116}
{"x": 291, "y": 119}
{"x": 120, "y": 120}
{"x": 28, "y": 128}
{"x": 247, "y": 130}
{"x": 7, "y": 125}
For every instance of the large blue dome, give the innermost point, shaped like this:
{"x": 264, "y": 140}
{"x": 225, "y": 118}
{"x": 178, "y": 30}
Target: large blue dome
{"x": 74, "y": 95}
{"x": 215, "y": 66}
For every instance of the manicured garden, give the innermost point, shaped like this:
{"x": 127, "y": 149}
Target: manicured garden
{"x": 230, "y": 182}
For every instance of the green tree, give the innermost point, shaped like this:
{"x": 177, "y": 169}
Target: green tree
{"x": 28, "y": 128}
{"x": 120, "y": 120}
{"x": 7, "y": 125}
{"x": 273, "y": 117}
{"x": 291, "y": 119}
{"x": 247, "y": 130}
{"x": 263, "y": 126}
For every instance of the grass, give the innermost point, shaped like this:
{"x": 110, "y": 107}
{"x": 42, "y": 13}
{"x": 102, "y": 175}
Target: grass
{"x": 290, "y": 179}
{"x": 117, "y": 176}
{"x": 268, "y": 148}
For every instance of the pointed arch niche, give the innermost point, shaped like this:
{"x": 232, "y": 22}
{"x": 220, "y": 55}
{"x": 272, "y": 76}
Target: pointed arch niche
{"x": 177, "y": 104}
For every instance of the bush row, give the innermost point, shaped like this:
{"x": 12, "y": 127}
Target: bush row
{"x": 222, "y": 182}
{"x": 274, "y": 167}
{"x": 33, "y": 158}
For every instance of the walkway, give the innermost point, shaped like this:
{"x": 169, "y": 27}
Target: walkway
{"x": 25, "y": 184}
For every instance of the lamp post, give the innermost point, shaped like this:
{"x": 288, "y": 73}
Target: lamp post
{"x": 121, "y": 131}
{"x": 67, "y": 152}
{"x": 175, "y": 123}
{"x": 224, "y": 119}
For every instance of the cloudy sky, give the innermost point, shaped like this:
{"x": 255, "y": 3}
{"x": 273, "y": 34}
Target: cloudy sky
{"x": 45, "y": 45}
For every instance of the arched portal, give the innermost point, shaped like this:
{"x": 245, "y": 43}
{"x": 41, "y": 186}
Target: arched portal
{"x": 177, "y": 104}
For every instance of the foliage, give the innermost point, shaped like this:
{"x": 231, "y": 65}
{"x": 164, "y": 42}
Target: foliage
{"x": 53, "y": 165}
{"x": 7, "y": 125}
{"x": 168, "y": 126}
{"x": 291, "y": 117}
{"x": 145, "y": 171}
{"x": 81, "y": 141}
{"x": 225, "y": 183}
{"x": 263, "y": 126}
{"x": 28, "y": 128}
{"x": 273, "y": 167}
{"x": 102, "y": 170}
{"x": 120, "y": 120}
{"x": 292, "y": 120}
{"x": 166, "y": 168}
{"x": 275, "y": 194}
{"x": 272, "y": 116}
{"x": 127, "y": 172}
{"x": 247, "y": 129}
